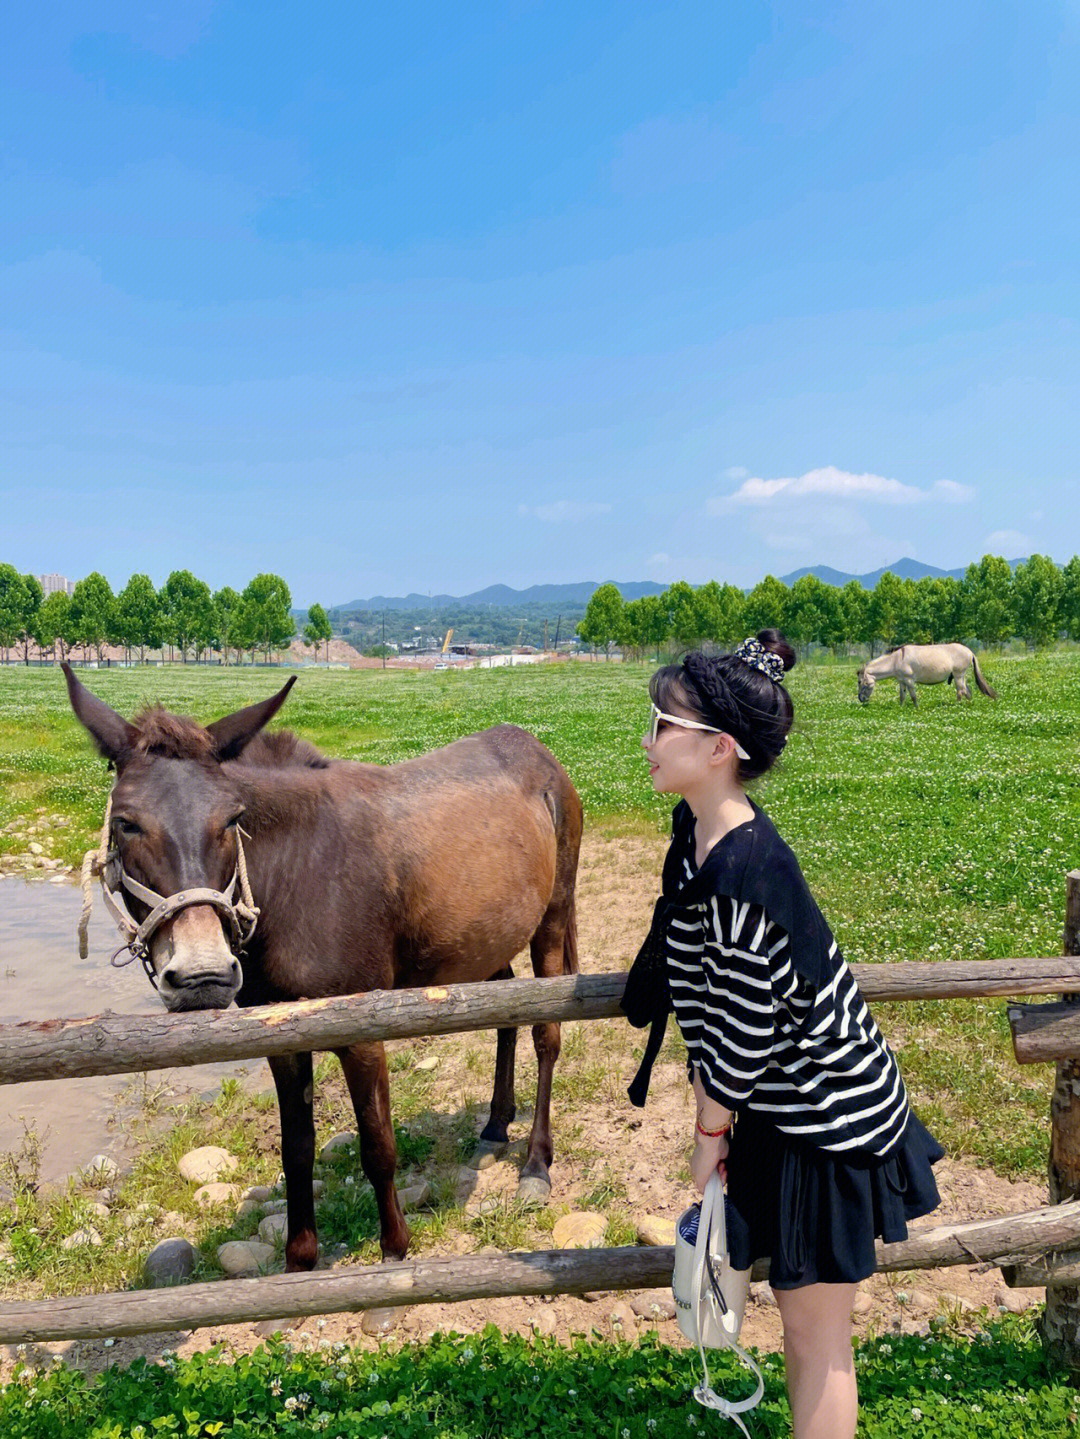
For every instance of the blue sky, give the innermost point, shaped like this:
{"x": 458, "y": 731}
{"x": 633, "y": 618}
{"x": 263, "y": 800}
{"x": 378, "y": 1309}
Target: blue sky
{"x": 429, "y": 297}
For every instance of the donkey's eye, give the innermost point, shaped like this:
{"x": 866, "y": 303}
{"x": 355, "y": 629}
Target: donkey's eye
{"x": 232, "y": 823}
{"x": 127, "y": 828}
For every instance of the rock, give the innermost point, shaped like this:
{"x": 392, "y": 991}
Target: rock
{"x": 921, "y": 1299}
{"x": 243, "y": 1257}
{"x": 1018, "y": 1301}
{"x": 276, "y": 1206}
{"x": 483, "y": 1159}
{"x": 413, "y": 1196}
{"x": 205, "y": 1165}
{"x": 82, "y": 1238}
{"x": 338, "y": 1141}
{"x": 246, "y": 1207}
{"x": 317, "y": 1188}
{"x": 272, "y": 1228}
{"x": 579, "y": 1230}
{"x": 425, "y": 1066}
{"x": 36, "y": 848}
{"x": 544, "y": 1322}
{"x": 100, "y": 1170}
{"x": 761, "y": 1293}
{"x": 622, "y": 1321}
{"x": 169, "y": 1262}
{"x": 207, "y": 1196}
{"x": 105, "y": 1196}
{"x": 382, "y": 1321}
{"x": 258, "y": 1192}
{"x": 655, "y": 1230}
{"x": 97, "y": 1210}
{"x": 864, "y": 1303}
{"x": 654, "y": 1306}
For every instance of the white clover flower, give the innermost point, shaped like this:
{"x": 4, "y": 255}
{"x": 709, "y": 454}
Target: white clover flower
{"x": 275, "y": 1386}
{"x": 916, "y": 1412}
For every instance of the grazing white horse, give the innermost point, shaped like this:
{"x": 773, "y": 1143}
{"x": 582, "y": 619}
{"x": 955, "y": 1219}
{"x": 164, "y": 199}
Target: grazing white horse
{"x": 915, "y": 665}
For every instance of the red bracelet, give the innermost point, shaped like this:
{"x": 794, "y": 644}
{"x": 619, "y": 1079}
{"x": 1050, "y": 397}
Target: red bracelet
{"x": 712, "y": 1133}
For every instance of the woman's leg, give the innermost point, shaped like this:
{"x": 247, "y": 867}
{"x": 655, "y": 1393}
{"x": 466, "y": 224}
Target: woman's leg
{"x": 818, "y": 1360}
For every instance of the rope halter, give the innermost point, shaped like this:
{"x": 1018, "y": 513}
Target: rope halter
{"x": 104, "y": 862}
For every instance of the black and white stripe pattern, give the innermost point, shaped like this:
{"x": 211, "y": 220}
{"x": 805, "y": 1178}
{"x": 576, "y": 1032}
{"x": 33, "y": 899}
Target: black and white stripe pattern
{"x": 814, "y": 1063}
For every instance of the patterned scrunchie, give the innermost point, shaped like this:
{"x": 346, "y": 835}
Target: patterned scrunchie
{"x": 754, "y": 653}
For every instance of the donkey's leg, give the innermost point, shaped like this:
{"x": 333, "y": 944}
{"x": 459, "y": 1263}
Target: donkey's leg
{"x": 547, "y": 960}
{"x": 293, "y": 1080}
{"x": 496, "y": 1132}
{"x": 369, "y": 1086}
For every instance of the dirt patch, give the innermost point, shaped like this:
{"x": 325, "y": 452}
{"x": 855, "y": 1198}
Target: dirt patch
{"x": 612, "y": 1159}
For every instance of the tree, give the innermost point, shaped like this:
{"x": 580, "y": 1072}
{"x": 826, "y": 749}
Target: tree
{"x": 684, "y": 614}
{"x": 938, "y": 610}
{"x": 34, "y": 596}
{"x": 52, "y": 623}
{"x": 1070, "y": 598}
{"x": 227, "y": 605}
{"x": 987, "y": 600}
{"x": 1037, "y": 593}
{"x": 854, "y": 616}
{"x": 187, "y": 612}
{"x": 719, "y": 609}
{"x": 655, "y": 621}
{"x": 603, "y": 615}
{"x": 92, "y": 612}
{"x": 137, "y": 620}
{"x": 807, "y": 612}
{"x": 892, "y": 610}
{"x": 265, "y": 613}
{"x": 318, "y": 628}
{"x": 14, "y": 602}
{"x": 765, "y": 606}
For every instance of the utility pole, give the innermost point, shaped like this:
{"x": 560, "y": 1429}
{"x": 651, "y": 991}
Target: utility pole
{"x": 545, "y": 636}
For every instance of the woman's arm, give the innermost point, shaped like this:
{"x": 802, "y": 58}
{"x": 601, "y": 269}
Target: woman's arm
{"x": 710, "y": 1149}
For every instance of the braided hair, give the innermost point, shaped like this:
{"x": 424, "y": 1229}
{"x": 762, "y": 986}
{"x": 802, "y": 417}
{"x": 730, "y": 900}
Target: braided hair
{"x": 736, "y": 693}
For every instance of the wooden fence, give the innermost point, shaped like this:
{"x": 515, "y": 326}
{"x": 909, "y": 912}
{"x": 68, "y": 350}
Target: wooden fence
{"x": 1041, "y": 1247}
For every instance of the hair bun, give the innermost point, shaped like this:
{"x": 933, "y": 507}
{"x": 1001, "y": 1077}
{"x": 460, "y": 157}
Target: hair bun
{"x": 776, "y": 643}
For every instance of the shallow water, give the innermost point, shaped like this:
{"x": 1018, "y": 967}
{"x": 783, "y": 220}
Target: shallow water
{"x": 42, "y": 977}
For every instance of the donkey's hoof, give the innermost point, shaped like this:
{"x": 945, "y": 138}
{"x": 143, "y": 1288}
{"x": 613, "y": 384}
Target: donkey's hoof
{"x": 534, "y": 1192}
{"x": 487, "y": 1153}
{"x": 381, "y": 1321}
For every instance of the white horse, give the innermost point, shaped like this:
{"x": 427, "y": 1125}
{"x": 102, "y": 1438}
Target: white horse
{"x": 915, "y": 665}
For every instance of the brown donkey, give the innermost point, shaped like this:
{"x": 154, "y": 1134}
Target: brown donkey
{"x": 438, "y": 870}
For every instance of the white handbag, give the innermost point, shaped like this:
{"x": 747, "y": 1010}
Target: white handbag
{"x": 710, "y": 1296}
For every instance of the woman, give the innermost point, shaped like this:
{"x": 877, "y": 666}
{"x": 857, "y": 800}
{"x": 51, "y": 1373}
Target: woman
{"x": 800, "y": 1103}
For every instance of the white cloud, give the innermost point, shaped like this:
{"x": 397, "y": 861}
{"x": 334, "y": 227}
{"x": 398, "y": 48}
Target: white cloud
{"x": 953, "y": 493}
{"x": 1009, "y": 544}
{"x": 563, "y": 511}
{"x": 832, "y": 484}
{"x": 736, "y": 472}
{"x": 660, "y": 561}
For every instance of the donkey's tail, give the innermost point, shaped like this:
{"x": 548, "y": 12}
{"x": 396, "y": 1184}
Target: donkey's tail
{"x": 987, "y": 690}
{"x": 569, "y": 944}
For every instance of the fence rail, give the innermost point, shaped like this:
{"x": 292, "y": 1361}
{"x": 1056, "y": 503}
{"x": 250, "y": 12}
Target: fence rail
{"x": 1012, "y": 1238}
{"x": 123, "y": 1044}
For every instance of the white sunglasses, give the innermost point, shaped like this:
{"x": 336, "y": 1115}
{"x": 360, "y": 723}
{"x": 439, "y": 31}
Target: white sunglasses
{"x": 658, "y": 717}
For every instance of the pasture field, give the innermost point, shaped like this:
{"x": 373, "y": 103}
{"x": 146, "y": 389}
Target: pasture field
{"x": 942, "y": 832}
{"x": 994, "y": 1386}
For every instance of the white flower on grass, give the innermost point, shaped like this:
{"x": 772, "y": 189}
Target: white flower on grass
{"x": 916, "y": 1412}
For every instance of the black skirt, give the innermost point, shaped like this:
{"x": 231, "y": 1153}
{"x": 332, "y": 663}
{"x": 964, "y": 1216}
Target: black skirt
{"x": 814, "y": 1214}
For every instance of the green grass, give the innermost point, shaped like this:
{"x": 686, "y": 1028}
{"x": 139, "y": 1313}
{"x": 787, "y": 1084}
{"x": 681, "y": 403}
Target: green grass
{"x": 994, "y": 1386}
{"x": 942, "y": 832}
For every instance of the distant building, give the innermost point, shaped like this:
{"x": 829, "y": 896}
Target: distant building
{"x": 50, "y": 584}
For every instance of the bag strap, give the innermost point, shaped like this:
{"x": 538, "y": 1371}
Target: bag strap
{"x": 710, "y": 1251}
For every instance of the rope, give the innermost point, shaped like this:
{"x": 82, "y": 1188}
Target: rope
{"x": 92, "y": 866}
{"x": 250, "y": 910}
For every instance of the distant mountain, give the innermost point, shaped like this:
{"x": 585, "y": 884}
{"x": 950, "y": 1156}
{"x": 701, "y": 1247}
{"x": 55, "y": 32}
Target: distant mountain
{"x": 906, "y": 569}
{"x": 498, "y": 595}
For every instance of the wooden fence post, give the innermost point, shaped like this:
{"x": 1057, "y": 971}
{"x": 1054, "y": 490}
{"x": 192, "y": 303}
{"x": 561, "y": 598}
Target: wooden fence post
{"x": 1061, "y": 1321}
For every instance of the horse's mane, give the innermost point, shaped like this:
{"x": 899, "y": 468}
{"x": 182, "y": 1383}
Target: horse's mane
{"x": 158, "y": 732}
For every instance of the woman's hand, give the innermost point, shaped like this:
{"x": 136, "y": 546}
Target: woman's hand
{"x": 709, "y": 1158}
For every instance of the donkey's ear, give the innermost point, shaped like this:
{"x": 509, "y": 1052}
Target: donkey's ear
{"x": 112, "y": 733}
{"x": 232, "y": 733}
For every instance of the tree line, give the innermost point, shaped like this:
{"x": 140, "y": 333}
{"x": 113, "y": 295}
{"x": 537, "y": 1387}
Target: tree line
{"x": 1038, "y": 602}
{"x": 184, "y": 615}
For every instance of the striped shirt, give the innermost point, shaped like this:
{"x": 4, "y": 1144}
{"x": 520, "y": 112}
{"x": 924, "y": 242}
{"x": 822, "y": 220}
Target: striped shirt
{"x": 812, "y": 1061}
